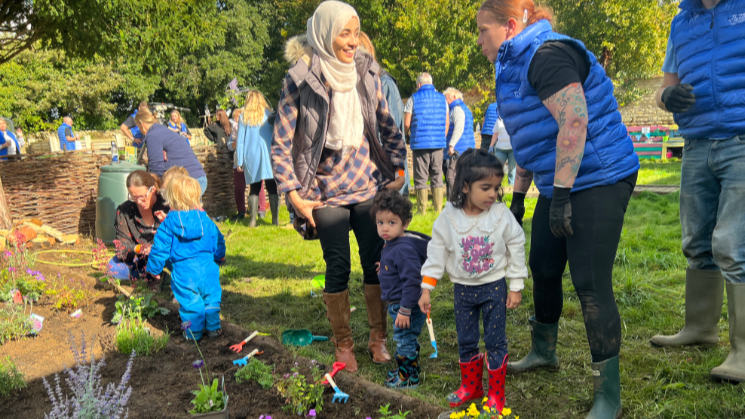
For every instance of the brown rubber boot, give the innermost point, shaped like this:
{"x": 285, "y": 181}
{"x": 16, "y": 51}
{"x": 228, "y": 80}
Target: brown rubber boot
{"x": 421, "y": 201}
{"x": 338, "y": 312}
{"x": 377, "y": 317}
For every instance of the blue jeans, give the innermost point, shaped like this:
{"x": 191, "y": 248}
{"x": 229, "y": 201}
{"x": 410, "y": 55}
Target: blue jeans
{"x": 406, "y": 339}
{"x": 712, "y": 197}
{"x": 202, "y": 184}
{"x": 405, "y": 189}
{"x": 489, "y": 300}
{"x": 507, "y": 156}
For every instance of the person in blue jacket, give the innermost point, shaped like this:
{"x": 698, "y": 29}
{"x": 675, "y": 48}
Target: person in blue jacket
{"x": 400, "y": 282}
{"x": 192, "y": 242}
{"x": 177, "y": 125}
{"x": 66, "y": 136}
{"x": 460, "y": 134}
{"x": 487, "y": 127}
{"x": 9, "y": 144}
{"x": 427, "y": 117}
{"x": 129, "y": 126}
{"x": 704, "y": 87}
{"x": 558, "y": 107}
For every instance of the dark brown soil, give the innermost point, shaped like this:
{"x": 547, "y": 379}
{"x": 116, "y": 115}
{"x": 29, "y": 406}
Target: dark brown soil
{"x": 162, "y": 383}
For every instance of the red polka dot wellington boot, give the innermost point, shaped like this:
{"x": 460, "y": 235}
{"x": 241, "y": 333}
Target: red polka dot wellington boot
{"x": 496, "y": 386}
{"x": 471, "y": 387}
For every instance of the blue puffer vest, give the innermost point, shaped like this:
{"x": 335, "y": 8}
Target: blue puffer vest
{"x": 136, "y": 131}
{"x": 466, "y": 140}
{"x": 428, "y": 119}
{"x": 710, "y": 51}
{"x": 609, "y": 154}
{"x": 65, "y": 145}
{"x": 490, "y": 119}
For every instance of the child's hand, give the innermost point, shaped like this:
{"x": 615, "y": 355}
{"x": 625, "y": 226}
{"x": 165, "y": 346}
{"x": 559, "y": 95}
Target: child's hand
{"x": 402, "y": 322}
{"x": 424, "y": 301}
{"x": 513, "y": 299}
{"x": 160, "y": 215}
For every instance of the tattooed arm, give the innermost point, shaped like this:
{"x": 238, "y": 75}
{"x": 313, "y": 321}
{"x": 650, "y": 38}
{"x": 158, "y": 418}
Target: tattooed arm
{"x": 523, "y": 179}
{"x": 569, "y": 108}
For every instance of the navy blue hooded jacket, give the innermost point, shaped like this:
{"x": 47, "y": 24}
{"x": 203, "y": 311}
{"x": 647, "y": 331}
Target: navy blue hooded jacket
{"x": 401, "y": 268}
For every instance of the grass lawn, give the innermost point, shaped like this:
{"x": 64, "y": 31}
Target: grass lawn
{"x": 654, "y": 172}
{"x": 266, "y": 286}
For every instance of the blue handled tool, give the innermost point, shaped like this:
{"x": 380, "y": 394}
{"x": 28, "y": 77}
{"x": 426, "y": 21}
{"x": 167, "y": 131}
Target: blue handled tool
{"x": 243, "y": 361}
{"x": 339, "y": 396}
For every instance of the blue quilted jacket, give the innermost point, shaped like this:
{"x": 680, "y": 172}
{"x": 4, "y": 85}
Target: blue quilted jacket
{"x": 429, "y": 118}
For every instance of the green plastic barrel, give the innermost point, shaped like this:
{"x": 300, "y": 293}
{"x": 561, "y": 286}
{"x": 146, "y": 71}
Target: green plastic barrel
{"x": 112, "y": 192}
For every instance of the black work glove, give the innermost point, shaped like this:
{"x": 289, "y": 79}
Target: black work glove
{"x": 517, "y": 208}
{"x": 678, "y": 98}
{"x": 560, "y": 213}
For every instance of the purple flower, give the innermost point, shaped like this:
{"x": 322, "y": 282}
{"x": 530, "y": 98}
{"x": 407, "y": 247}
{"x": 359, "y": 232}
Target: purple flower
{"x": 198, "y": 363}
{"x": 7, "y": 254}
{"x": 265, "y": 417}
{"x": 296, "y": 365}
{"x": 185, "y": 325}
{"x": 312, "y": 413}
{"x": 12, "y": 269}
{"x": 313, "y": 362}
{"x": 286, "y": 376}
{"x": 294, "y": 375}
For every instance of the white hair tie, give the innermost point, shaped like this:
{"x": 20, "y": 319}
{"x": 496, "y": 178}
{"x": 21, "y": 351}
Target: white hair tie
{"x": 525, "y": 16}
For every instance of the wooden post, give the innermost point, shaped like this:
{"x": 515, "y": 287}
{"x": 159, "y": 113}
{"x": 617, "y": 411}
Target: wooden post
{"x": 5, "y": 221}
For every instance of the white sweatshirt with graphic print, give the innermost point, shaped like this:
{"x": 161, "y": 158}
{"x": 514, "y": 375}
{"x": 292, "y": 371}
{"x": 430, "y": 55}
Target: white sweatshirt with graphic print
{"x": 476, "y": 250}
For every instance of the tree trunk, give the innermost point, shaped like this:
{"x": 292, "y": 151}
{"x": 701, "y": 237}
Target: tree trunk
{"x": 605, "y": 58}
{"x": 5, "y": 221}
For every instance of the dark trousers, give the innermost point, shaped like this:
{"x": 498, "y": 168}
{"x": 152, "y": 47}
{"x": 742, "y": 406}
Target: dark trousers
{"x": 270, "y": 184}
{"x": 333, "y": 226}
{"x": 597, "y": 221}
{"x": 485, "y": 141}
{"x": 490, "y": 301}
{"x": 239, "y": 186}
{"x": 427, "y": 164}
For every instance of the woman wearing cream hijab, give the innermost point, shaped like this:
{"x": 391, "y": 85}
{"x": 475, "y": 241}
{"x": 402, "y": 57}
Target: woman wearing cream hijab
{"x": 326, "y": 159}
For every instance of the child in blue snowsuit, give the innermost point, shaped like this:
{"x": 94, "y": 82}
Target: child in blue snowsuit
{"x": 192, "y": 242}
{"x": 400, "y": 282}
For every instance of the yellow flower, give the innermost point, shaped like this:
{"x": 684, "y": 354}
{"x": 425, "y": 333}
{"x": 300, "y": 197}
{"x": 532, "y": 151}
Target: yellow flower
{"x": 506, "y": 411}
{"x": 485, "y": 400}
{"x": 486, "y": 409}
{"x": 453, "y": 415}
{"x": 473, "y": 411}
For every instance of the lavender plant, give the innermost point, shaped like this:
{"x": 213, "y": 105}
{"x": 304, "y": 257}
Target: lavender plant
{"x": 90, "y": 399}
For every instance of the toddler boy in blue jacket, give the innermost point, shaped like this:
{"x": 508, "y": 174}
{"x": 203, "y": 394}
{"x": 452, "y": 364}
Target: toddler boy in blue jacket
{"x": 400, "y": 282}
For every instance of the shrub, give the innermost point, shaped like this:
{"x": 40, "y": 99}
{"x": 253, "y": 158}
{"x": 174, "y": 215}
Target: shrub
{"x": 11, "y": 380}
{"x": 302, "y": 395}
{"x": 138, "y": 306}
{"x": 257, "y": 371}
{"x": 14, "y": 322}
{"x": 67, "y": 294}
{"x": 132, "y": 335}
{"x": 90, "y": 399}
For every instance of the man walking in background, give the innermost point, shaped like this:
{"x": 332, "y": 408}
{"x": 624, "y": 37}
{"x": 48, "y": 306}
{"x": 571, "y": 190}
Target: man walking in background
{"x": 460, "y": 133}
{"x": 426, "y": 116}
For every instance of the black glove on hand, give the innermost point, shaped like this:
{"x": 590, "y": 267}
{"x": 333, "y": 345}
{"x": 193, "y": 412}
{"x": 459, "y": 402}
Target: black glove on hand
{"x": 517, "y": 208}
{"x": 678, "y": 98}
{"x": 560, "y": 213}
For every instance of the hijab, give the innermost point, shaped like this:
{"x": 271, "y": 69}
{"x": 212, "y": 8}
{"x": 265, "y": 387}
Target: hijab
{"x": 346, "y": 126}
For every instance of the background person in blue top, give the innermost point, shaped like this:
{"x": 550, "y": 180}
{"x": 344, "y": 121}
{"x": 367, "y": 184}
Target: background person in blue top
{"x": 704, "y": 87}
{"x": 129, "y": 127}
{"x": 487, "y": 127}
{"x": 160, "y": 139}
{"x": 177, "y": 125}
{"x": 9, "y": 144}
{"x": 66, "y": 136}
{"x": 558, "y": 107}
{"x": 460, "y": 133}
{"x": 427, "y": 118}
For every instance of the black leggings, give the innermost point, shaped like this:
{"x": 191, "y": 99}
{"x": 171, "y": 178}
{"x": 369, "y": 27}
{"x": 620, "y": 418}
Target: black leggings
{"x": 270, "y": 184}
{"x": 597, "y": 221}
{"x": 333, "y": 230}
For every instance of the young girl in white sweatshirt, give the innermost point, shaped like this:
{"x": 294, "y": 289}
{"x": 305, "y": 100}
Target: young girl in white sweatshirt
{"x": 478, "y": 242}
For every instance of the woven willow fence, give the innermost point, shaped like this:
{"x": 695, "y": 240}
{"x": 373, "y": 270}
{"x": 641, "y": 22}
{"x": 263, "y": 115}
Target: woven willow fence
{"x": 61, "y": 188}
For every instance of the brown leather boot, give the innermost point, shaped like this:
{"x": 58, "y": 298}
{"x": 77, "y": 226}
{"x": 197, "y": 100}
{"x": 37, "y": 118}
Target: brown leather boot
{"x": 338, "y": 312}
{"x": 377, "y": 317}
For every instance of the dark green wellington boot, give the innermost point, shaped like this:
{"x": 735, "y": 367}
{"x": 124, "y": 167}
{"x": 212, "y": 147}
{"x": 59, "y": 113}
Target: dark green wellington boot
{"x": 606, "y": 380}
{"x": 274, "y": 207}
{"x": 253, "y": 210}
{"x": 543, "y": 351}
